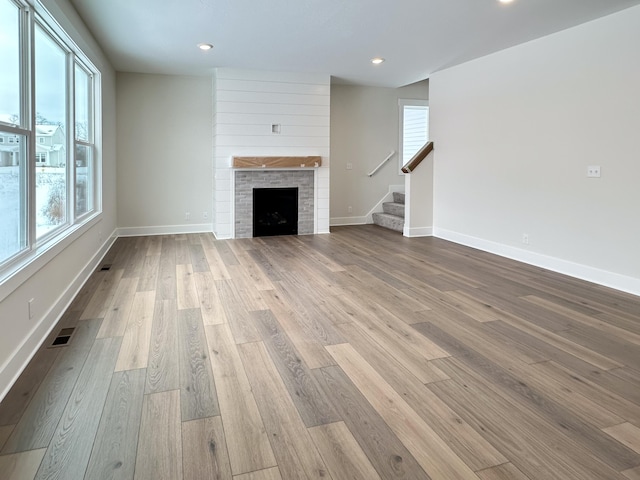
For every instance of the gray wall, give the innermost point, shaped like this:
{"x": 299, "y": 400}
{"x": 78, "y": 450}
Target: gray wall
{"x": 165, "y": 157}
{"x": 364, "y": 130}
{"x": 514, "y": 133}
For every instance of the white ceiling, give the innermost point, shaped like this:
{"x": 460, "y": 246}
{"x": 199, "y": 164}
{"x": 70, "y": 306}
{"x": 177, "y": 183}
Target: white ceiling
{"x": 336, "y": 37}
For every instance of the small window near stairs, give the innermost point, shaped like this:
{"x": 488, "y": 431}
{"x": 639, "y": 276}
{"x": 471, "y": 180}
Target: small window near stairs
{"x": 414, "y": 128}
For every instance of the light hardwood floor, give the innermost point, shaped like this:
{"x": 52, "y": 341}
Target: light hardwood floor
{"x": 355, "y": 355}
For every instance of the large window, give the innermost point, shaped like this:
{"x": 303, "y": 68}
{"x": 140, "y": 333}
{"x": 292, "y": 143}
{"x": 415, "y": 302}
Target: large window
{"x": 48, "y": 162}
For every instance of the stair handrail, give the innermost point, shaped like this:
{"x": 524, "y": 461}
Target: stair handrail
{"x": 411, "y": 165}
{"x": 373, "y": 172}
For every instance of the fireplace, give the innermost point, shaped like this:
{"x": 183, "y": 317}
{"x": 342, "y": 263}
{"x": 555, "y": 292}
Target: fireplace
{"x": 247, "y": 181}
{"x": 275, "y": 211}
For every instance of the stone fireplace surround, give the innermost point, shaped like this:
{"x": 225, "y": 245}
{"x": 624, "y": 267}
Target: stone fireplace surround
{"x": 246, "y": 180}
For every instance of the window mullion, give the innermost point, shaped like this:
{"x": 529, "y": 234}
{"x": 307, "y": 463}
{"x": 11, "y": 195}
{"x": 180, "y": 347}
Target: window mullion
{"x": 71, "y": 139}
{"x": 28, "y": 87}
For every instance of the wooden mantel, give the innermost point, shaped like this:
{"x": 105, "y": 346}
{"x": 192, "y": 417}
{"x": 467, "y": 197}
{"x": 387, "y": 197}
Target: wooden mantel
{"x": 277, "y": 162}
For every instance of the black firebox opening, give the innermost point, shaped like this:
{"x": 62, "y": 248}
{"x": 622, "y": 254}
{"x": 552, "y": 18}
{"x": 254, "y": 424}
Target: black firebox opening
{"x": 275, "y": 211}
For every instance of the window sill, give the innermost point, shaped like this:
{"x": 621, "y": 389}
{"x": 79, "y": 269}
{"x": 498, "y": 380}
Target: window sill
{"x": 18, "y": 273}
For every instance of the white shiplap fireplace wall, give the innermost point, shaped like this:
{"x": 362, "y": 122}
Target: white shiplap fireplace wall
{"x": 246, "y": 104}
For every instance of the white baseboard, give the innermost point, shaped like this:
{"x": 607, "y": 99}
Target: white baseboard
{"x": 222, "y": 237}
{"x": 165, "y": 230}
{"x": 341, "y": 221}
{"x": 418, "y": 232}
{"x": 11, "y": 370}
{"x": 583, "y": 272}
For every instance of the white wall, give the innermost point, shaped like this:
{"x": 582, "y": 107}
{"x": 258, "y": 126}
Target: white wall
{"x": 419, "y": 200}
{"x": 246, "y": 104}
{"x": 165, "y": 163}
{"x": 55, "y": 277}
{"x": 364, "y": 130}
{"x": 514, "y": 133}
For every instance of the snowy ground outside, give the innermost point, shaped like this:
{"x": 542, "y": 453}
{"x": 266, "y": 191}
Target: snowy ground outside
{"x": 10, "y": 205}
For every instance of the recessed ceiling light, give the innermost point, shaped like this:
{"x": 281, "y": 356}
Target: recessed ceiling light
{"x": 205, "y": 46}
{"x": 505, "y": 1}
{"x": 377, "y": 60}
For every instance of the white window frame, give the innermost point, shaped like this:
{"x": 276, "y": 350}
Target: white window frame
{"x": 19, "y": 267}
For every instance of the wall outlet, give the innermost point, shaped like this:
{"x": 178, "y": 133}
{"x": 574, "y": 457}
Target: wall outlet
{"x": 205, "y": 215}
{"x": 187, "y": 216}
{"x": 30, "y": 308}
{"x": 350, "y": 209}
{"x": 349, "y": 166}
{"x": 525, "y": 238}
{"x": 593, "y": 171}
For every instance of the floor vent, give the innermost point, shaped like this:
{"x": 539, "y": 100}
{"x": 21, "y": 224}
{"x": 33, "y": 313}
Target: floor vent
{"x": 106, "y": 267}
{"x": 63, "y": 338}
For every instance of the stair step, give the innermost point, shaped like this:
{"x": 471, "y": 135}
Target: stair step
{"x": 393, "y": 208}
{"x": 387, "y": 220}
{"x": 398, "y": 197}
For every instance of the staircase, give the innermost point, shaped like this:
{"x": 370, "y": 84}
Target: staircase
{"x": 392, "y": 216}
